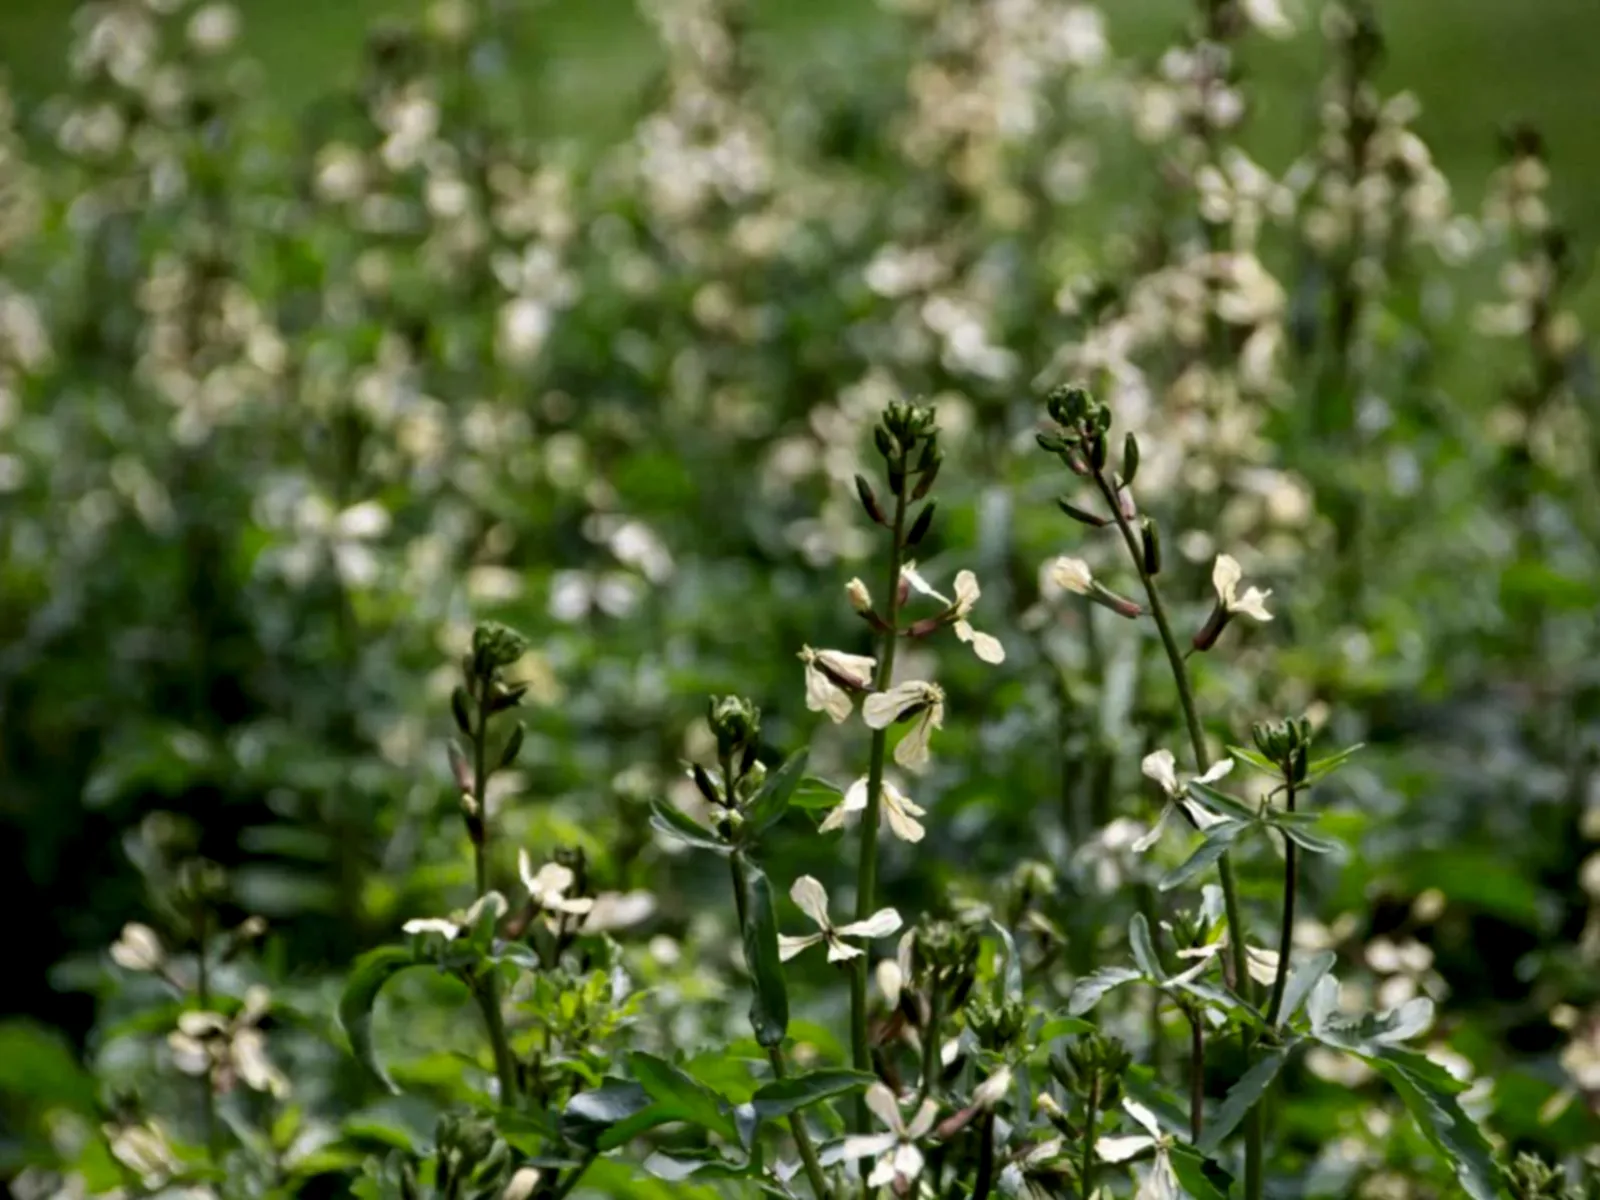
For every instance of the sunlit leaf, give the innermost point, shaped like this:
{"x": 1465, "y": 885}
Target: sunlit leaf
{"x": 367, "y": 977}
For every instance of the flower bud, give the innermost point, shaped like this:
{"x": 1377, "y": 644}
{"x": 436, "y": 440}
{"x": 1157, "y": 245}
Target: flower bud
{"x": 860, "y": 598}
{"x": 1082, "y": 515}
{"x": 1150, "y": 539}
{"x": 495, "y": 646}
{"x": 1212, "y": 629}
{"x": 735, "y": 721}
{"x": 869, "y": 500}
{"x": 138, "y": 948}
{"x": 919, "y": 527}
{"x": 1130, "y": 459}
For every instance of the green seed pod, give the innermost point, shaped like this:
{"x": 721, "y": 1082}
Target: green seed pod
{"x": 513, "y": 746}
{"x": 869, "y": 501}
{"x": 1130, "y": 459}
{"x": 1150, "y": 536}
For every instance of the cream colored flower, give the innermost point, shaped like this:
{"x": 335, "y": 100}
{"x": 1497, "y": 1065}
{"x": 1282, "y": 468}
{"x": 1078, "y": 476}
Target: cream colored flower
{"x": 1225, "y": 577}
{"x": 918, "y": 701}
{"x": 1162, "y": 1182}
{"x": 521, "y": 1184}
{"x": 985, "y": 646}
{"x": 893, "y": 974}
{"x": 138, "y": 948}
{"x": 548, "y": 887}
{"x": 899, "y": 1161}
{"x": 899, "y": 812}
{"x": 832, "y": 678}
{"x": 1163, "y": 768}
{"x": 812, "y": 899}
{"x": 860, "y": 598}
{"x": 993, "y": 1089}
{"x": 457, "y": 923}
{"x": 1073, "y": 575}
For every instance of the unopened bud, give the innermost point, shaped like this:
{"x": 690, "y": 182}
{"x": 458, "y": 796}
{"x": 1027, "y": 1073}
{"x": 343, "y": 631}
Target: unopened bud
{"x": 1212, "y": 629}
{"x": 1082, "y": 514}
{"x": 1130, "y": 459}
{"x": 860, "y": 598}
{"x": 1150, "y": 536}
{"x": 869, "y": 500}
{"x": 919, "y": 527}
{"x": 495, "y": 646}
{"x": 138, "y": 948}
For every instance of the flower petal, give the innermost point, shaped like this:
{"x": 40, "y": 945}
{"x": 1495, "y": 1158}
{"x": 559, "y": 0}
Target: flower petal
{"x": 907, "y": 1158}
{"x": 812, "y": 898}
{"x": 912, "y": 751}
{"x": 841, "y": 951}
{"x": 884, "y": 1106}
{"x": 1225, "y": 576}
{"x": 988, "y": 648}
{"x": 901, "y": 815}
{"x": 1216, "y": 771}
{"x": 1153, "y": 834}
{"x": 823, "y": 695}
{"x": 1253, "y": 604}
{"x": 890, "y": 981}
{"x": 788, "y": 946}
{"x": 869, "y": 1144}
{"x": 1163, "y": 768}
{"x": 882, "y": 709}
{"x": 1142, "y": 1115}
{"x": 1121, "y": 1148}
{"x": 967, "y": 592}
{"x": 1072, "y": 574}
{"x": 880, "y": 924}
{"x": 912, "y": 576}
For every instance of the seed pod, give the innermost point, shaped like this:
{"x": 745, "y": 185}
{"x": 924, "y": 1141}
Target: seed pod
{"x": 1130, "y": 459}
{"x": 513, "y": 745}
{"x": 1150, "y": 534}
{"x": 461, "y": 707}
{"x": 919, "y": 527}
{"x": 1082, "y": 514}
{"x": 868, "y": 500}
{"x": 1097, "y": 451}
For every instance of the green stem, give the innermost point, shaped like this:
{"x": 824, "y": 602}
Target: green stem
{"x": 202, "y": 995}
{"x": 985, "y": 1183}
{"x": 571, "y": 1181}
{"x": 780, "y": 1069}
{"x": 487, "y": 988}
{"x": 1286, "y": 930}
{"x": 867, "y": 871}
{"x": 1197, "y": 1077}
{"x": 1086, "y": 1165}
{"x": 930, "y": 1048}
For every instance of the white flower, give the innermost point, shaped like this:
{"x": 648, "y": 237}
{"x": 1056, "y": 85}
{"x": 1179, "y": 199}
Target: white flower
{"x": 993, "y": 1089}
{"x": 548, "y": 888}
{"x": 1161, "y": 1183}
{"x": 457, "y": 923}
{"x": 1163, "y": 768}
{"x": 899, "y": 812}
{"x": 1073, "y": 575}
{"x": 860, "y": 598}
{"x": 917, "y": 699}
{"x": 1268, "y": 16}
{"x": 522, "y": 1184}
{"x": 831, "y": 677}
{"x": 138, "y": 948}
{"x": 813, "y": 901}
{"x": 894, "y": 973}
{"x": 444, "y": 928}
{"x": 1261, "y": 963}
{"x": 1225, "y": 577}
{"x": 899, "y": 1160}
{"x": 985, "y": 646}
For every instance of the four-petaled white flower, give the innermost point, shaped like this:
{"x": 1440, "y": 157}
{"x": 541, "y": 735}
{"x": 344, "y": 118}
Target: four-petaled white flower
{"x": 548, "y": 887}
{"x": 918, "y": 701}
{"x": 1225, "y": 577}
{"x": 985, "y": 646}
{"x": 456, "y": 923}
{"x": 1163, "y": 768}
{"x": 899, "y": 1160}
{"x": 1162, "y": 1182}
{"x": 831, "y": 678}
{"x": 899, "y": 812}
{"x": 1072, "y": 575}
{"x": 813, "y": 901}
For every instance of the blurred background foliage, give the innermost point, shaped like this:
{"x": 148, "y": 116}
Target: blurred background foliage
{"x": 321, "y": 342}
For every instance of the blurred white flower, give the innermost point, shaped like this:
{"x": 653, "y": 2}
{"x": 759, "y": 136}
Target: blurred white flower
{"x": 1225, "y": 578}
{"x": 1160, "y": 766}
{"x": 832, "y": 679}
{"x": 1161, "y": 1182}
{"x": 1268, "y": 16}
{"x": 993, "y": 1089}
{"x": 1072, "y": 575}
{"x": 548, "y": 887}
{"x": 860, "y": 598}
{"x": 899, "y": 813}
{"x": 522, "y": 1184}
{"x": 899, "y": 1161}
{"x": 138, "y": 948}
{"x": 213, "y": 28}
{"x": 812, "y": 899}
{"x": 918, "y": 701}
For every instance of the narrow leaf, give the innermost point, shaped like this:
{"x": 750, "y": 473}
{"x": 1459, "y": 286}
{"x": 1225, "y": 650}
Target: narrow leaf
{"x": 694, "y": 1102}
{"x": 1316, "y": 843}
{"x": 367, "y": 977}
{"x": 1259, "y": 761}
{"x": 1301, "y": 980}
{"x": 1219, "y": 802}
{"x": 1009, "y": 981}
{"x": 784, "y": 1096}
{"x": 1200, "y": 1178}
{"x": 1060, "y": 1027}
{"x": 814, "y": 793}
{"x": 771, "y": 801}
{"x": 1089, "y": 990}
{"x": 1241, "y": 1098}
{"x": 1218, "y": 839}
{"x": 680, "y": 826}
{"x": 1323, "y": 767}
{"x": 769, "y": 1000}
{"x": 1144, "y": 951}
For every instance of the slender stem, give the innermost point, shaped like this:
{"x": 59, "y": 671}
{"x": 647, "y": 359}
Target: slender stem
{"x": 780, "y": 1069}
{"x": 930, "y": 1048}
{"x": 1286, "y": 931}
{"x": 1086, "y": 1164}
{"x": 486, "y": 988}
{"x": 985, "y": 1183}
{"x": 578, "y": 1172}
{"x": 867, "y": 871}
{"x": 1197, "y": 1076}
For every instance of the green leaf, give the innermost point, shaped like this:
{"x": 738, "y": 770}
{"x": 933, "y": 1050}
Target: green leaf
{"x": 1316, "y": 843}
{"x": 1323, "y": 767}
{"x": 1300, "y": 982}
{"x": 1259, "y": 761}
{"x": 1144, "y": 951}
{"x": 1220, "y": 802}
{"x": 681, "y": 1165}
{"x": 1091, "y": 989}
{"x": 367, "y": 977}
{"x": 1009, "y": 981}
{"x": 814, "y": 793}
{"x": 771, "y": 800}
{"x": 1218, "y": 839}
{"x": 784, "y": 1096}
{"x": 1429, "y": 1092}
{"x": 1060, "y": 1027}
{"x": 1223, "y": 999}
{"x": 769, "y": 999}
{"x": 615, "y": 1114}
{"x": 691, "y": 1099}
{"x": 1241, "y": 1098}
{"x": 676, "y": 824}
{"x": 1200, "y": 1178}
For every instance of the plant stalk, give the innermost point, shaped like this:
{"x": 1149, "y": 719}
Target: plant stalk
{"x": 1197, "y": 1077}
{"x": 1092, "y": 1113}
{"x": 867, "y": 871}
{"x": 1286, "y": 931}
{"x": 985, "y": 1183}
{"x": 780, "y": 1069}
{"x": 487, "y": 988}
{"x": 930, "y": 1048}
{"x": 202, "y": 995}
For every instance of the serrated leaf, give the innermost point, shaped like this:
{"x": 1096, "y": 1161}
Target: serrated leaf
{"x": 1301, "y": 981}
{"x": 693, "y": 1102}
{"x": 769, "y": 996}
{"x": 771, "y": 800}
{"x": 1091, "y": 989}
{"x": 680, "y": 826}
{"x": 1218, "y": 839}
{"x": 1144, "y": 951}
{"x": 368, "y": 974}
{"x": 1429, "y": 1092}
{"x": 784, "y": 1096}
{"x": 1241, "y": 1098}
